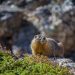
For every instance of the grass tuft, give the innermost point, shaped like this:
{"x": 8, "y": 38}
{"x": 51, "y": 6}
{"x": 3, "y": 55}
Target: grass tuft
{"x": 29, "y": 65}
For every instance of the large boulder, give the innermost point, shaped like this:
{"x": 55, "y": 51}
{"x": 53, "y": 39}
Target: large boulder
{"x": 14, "y": 30}
{"x": 10, "y": 22}
{"x": 65, "y": 31}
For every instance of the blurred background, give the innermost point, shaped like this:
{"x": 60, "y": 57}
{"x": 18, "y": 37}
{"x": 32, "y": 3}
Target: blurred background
{"x": 20, "y": 20}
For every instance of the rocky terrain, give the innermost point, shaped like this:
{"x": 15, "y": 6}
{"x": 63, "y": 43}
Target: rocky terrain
{"x": 20, "y": 20}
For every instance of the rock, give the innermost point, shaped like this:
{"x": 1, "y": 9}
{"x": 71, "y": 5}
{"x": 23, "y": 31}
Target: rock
{"x": 17, "y": 51}
{"x": 10, "y": 21}
{"x": 72, "y": 71}
{"x": 12, "y": 25}
{"x": 61, "y": 62}
{"x": 69, "y": 65}
{"x": 10, "y": 18}
{"x": 66, "y": 62}
{"x": 24, "y": 36}
{"x": 2, "y": 1}
{"x": 66, "y": 31}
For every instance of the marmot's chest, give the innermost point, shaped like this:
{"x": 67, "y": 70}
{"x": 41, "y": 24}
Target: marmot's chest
{"x": 39, "y": 48}
{"x": 42, "y": 49}
{"x": 47, "y": 48}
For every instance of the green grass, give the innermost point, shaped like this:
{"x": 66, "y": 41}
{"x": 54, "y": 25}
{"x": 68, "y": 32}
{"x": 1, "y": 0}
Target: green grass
{"x": 29, "y": 65}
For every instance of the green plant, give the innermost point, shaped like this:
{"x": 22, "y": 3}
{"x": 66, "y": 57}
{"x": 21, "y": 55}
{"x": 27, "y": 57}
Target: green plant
{"x": 29, "y": 65}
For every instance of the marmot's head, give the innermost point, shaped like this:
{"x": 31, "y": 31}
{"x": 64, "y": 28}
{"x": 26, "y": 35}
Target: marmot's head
{"x": 40, "y": 38}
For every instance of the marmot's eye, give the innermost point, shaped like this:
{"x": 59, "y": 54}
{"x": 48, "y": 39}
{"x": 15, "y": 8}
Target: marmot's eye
{"x": 35, "y": 36}
{"x": 43, "y": 38}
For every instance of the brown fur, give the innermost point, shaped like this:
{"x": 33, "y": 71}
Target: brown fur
{"x": 48, "y": 48}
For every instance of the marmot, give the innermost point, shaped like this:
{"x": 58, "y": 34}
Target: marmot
{"x": 46, "y": 46}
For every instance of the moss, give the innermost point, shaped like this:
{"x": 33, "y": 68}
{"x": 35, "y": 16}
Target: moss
{"x": 29, "y": 65}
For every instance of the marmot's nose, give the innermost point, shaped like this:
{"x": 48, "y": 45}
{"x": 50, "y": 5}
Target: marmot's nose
{"x": 43, "y": 38}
